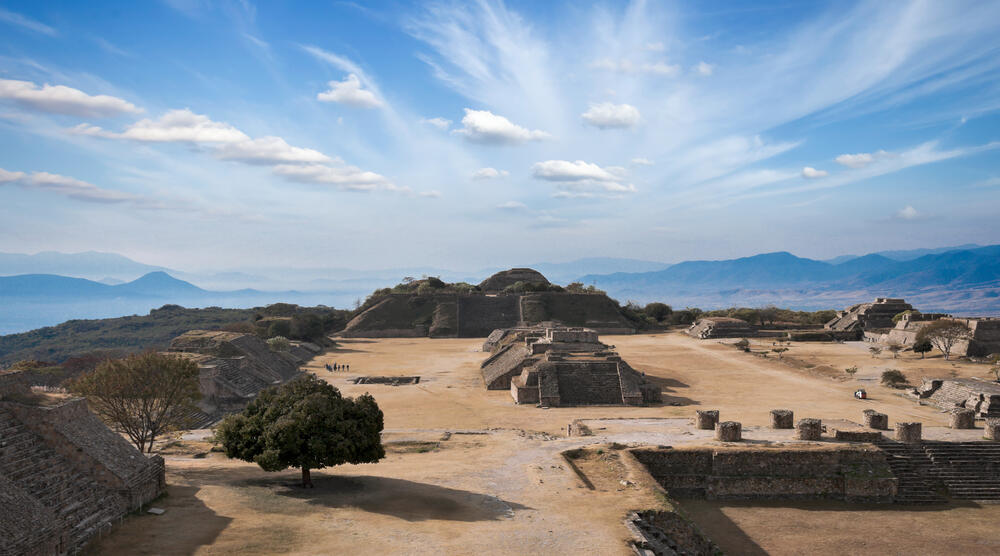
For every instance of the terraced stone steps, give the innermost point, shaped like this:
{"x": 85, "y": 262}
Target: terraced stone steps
{"x": 915, "y": 472}
{"x": 970, "y": 470}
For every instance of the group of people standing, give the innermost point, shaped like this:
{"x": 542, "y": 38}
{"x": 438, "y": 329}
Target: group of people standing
{"x": 337, "y": 367}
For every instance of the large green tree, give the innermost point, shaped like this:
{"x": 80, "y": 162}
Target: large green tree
{"x": 305, "y": 423}
{"x": 142, "y": 395}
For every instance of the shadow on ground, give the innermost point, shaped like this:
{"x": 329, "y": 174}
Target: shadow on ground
{"x": 667, "y": 387}
{"x": 400, "y": 498}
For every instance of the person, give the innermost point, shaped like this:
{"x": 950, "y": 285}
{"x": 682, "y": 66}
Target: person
{"x": 328, "y": 367}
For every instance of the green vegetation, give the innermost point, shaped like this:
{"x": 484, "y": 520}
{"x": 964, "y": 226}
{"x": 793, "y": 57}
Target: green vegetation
{"x": 305, "y": 423}
{"x": 851, "y": 371}
{"x": 770, "y": 315}
{"x": 279, "y": 343}
{"x": 922, "y": 347}
{"x": 142, "y": 396}
{"x": 899, "y": 316}
{"x": 944, "y": 334}
{"x": 78, "y": 345}
{"x": 893, "y": 378}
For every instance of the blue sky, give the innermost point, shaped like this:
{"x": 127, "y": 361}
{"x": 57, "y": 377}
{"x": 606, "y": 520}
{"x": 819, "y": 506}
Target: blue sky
{"x": 203, "y": 135}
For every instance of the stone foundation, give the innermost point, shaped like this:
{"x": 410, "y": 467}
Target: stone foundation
{"x": 992, "y": 429}
{"x": 876, "y": 420}
{"x": 963, "y": 419}
{"x": 909, "y": 433}
{"x": 707, "y": 419}
{"x": 729, "y": 431}
{"x": 809, "y": 429}
{"x": 782, "y": 419}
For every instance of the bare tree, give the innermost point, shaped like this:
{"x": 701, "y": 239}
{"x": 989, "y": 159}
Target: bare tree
{"x": 894, "y": 348}
{"x": 875, "y": 351}
{"x": 944, "y": 334}
{"x": 142, "y": 395}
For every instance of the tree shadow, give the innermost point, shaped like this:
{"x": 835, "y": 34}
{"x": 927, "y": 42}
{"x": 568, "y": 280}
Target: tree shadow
{"x": 667, "y": 387}
{"x": 408, "y": 500}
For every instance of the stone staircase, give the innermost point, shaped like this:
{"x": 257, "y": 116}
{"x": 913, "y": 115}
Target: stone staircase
{"x": 83, "y": 506}
{"x": 970, "y": 470}
{"x": 915, "y": 472}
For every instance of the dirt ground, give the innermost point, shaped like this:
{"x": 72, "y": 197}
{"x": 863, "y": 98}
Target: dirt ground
{"x": 467, "y": 471}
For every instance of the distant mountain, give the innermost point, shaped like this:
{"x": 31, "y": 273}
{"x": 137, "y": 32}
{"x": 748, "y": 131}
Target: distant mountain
{"x": 159, "y": 284}
{"x": 91, "y": 264}
{"x": 907, "y": 254}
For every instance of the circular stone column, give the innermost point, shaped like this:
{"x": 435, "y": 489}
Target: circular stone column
{"x": 809, "y": 429}
{"x": 729, "y": 431}
{"x": 963, "y": 419}
{"x": 909, "y": 432}
{"x": 876, "y": 420}
{"x": 782, "y": 419}
{"x": 707, "y": 419}
{"x": 992, "y": 431}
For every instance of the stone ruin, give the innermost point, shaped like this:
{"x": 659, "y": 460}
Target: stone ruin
{"x": 984, "y": 338}
{"x": 565, "y": 366}
{"x": 505, "y": 278}
{"x": 233, "y": 367}
{"x": 868, "y": 316}
{"x": 64, "y": 476}
{"x": 980, "y": 396}
{"x": 721, "y": 327}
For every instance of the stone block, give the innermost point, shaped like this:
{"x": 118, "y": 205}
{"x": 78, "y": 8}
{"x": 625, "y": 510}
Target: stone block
{"x": 809, "y": 429}
{"x": 992, "y": 431}
{"x": 707, "y": 419}
{"x": 729, "y": 431}
{"x": 963, "y": 419}
{"x": 910, "y": 433}
{"x": 782, "y": 419}
{"x": 876, "y": 420}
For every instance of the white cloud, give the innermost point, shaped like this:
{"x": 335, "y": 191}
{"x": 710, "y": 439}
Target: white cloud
{"x": 483, "y": 126}
{"x": 489, "y": 173}
{"x": 345, "y": 177}
{"x": 65, "y": 186}
{"x": 908, "y": 213}
{"x": 512, "y": 205}
{"x": 26, "y": 22}
{"x": 59, "y": 99}
{"x": 582, "y": 179}
{"x": 627, "y": 66}
{"x": 7, "y": 177}
{"x": 440, "y": 123}
{"x": 812, "y": 173}
{"x": 268, "y": 150}
{"x": 640, "y": 161}
{"x": 704, "y": 69}
{"x": 607, "y": 115}
{"x": 988, "y": 182}
{"x": 859, "y": 160}
{"x": 350, "y": 92}
{"x": 176, "y": 125}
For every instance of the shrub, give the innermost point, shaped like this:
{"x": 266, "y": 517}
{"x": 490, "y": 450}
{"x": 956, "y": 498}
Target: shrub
{"x": 279, "y": 343}
{"x": 893, "y": 378}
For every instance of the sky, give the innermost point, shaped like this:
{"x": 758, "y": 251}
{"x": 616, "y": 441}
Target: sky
{"x": 211, "y": 135}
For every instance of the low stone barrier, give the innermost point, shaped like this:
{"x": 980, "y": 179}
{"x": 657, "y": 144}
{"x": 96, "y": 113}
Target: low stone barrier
{"x": 876, "y": 420}
{"x": 909, "y": 433}
{"x": 992, "y": 431}
{"x": 707, "y": 419}
{"x": 857, "y": 436}
{"x": 963, "y": 419}
{"x": 782, "y": 419}
{"x": 729, "y": 431}
{"x": 809, "y": 429}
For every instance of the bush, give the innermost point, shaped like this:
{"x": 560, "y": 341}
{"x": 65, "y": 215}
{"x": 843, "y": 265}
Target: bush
{"x": 279, "y": 343}
{"x": 893, "y": 378}
{"x": 658, "y": 311}
{"x": 279, "y": 328}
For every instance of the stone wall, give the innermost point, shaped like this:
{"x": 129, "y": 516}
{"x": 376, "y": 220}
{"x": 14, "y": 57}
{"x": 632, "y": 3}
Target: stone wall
{"x": 478, "y": 315}
{"x": 949, "y": 393}
{"x": 854, "y": 474}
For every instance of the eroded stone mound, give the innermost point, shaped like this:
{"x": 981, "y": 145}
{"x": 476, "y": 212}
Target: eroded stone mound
{"x": 868, "y": 316}
{"x": 721, "y": 327}
{"x": 503, "y": 279}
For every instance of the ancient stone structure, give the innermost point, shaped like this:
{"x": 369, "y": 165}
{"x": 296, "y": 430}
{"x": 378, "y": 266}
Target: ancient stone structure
{"x": 984, "y": 338}
{"x": 909, "y": 433}
{"x": 967, "y": 470}
{"x": 782, "y": 419}
{"x": 478, "y": 313}
{"x": 983, "y": 397}
{"x": 729, "y": 431}
{"x": 234, "y": 367}
{"x": 845, "y": 472}
{"x": 963, "y": 419}
{"x": 707, "y": 419}
{"x": 876, "y": 420}
{"x": 856, "y": 435}
{"x": 867, "y": 316}
{"x": 809, "y": 429}
{"x": 64, "y": 477}
{"x": 992, "y": 429}
{"x": 663, "y": 532}
{"x": 568, "y": 366}
{"x": 503, "y": 279}
{"x": 721, "y": 327}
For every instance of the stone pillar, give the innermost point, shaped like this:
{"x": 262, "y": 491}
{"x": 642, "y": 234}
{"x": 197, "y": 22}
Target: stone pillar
{"x": 876, "y": 420}
{"x": 809, "y": 429}
{"x": 729, "y": 431}
{"x": 707, "y": 419}
{"x": 909, "y": 432}
{"x": 963, "y": 419}
{"x": 992, "y": 431}
{"x": 782, "y": 419}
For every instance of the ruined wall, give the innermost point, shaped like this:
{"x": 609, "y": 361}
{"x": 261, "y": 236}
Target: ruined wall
{"x": 580, "y": 383}
{"x": 504, "y": 365}
{"x": 479, "y": 315}
{"x": 854, "y": 474}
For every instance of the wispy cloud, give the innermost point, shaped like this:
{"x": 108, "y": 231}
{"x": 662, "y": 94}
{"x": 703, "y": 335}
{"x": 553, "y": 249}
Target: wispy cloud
{"x": 25, "y": 22}
{"x": 59, "y": 99}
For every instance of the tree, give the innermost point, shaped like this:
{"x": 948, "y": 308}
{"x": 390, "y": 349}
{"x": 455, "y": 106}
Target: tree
{"x": 894, "y": 348}
{"x": 851, "y": 371}
{"x": 779, "y": 351}
{"x": 875, "y": 351}
{"x": 743, "y": 344}
{"x": 769, "y": 314}
{"x": 142, "y": 395}
{"x": 279, "y": 343}
{"x": 922, "y": 347}
{"x": 305, "y": 423}
{"x": 659, "y": 311}
{"x": 281, "y": 327}
{"x": 893, "y": 378}
{"x": 944, "y": 334}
